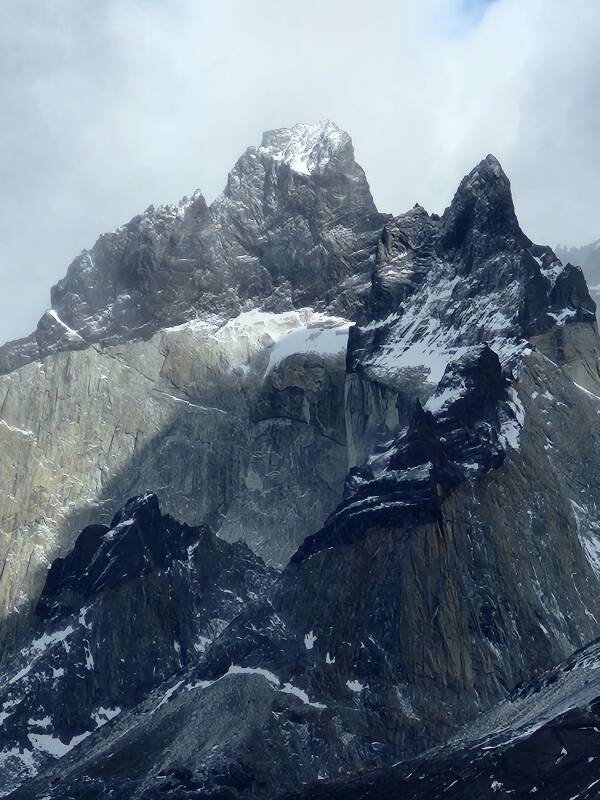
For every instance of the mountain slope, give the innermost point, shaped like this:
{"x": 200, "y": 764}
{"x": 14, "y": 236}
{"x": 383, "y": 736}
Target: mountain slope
{"x": 587, "y": 257}
{"x": 542, "y": 741}
{"x": 132, "y": 605}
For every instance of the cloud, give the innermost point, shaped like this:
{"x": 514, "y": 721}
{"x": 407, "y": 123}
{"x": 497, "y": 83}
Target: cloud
{"x": 111, "y": 106}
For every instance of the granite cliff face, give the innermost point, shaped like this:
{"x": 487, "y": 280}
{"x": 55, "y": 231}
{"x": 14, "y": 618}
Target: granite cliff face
{"x": 400, "y": 412}
{"x": 228, "y": 424}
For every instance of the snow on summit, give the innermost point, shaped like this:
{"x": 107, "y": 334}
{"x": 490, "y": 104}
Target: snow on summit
{"x": 305, "y": 147}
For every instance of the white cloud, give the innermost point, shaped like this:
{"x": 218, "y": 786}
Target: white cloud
{"x": 109, "y": 107}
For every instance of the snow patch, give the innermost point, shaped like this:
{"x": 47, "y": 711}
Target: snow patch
{"x": 82, "y": 620}
{"x": 167, "y": 696}
{"x": 441, "y": 399}
{"x": 326, "y": 341}
{"x": 355, "y": 686}
{"x": 45, "y": 722}
{"x": 234, "y": 669}
{"x": 588, "y": 530}
{"x": 104, "y": 715}
{"x": 89, "y": 658}
{"x": 202, "y": 643}
{"x": 52, "y": 745}
{"x": 21, "y": 674}
{"x": 306, "y": 148}
{"x": 562, "y": 316}
{"x": 287, "y": 688}
{"x": 42, "y": 643}
{"x": 512, "y": 425}
{"x": 71, "y": 334}
{"x": 587, "y": 391}
{"x": 244, "y": 338}
{"x": 13, "y": 429}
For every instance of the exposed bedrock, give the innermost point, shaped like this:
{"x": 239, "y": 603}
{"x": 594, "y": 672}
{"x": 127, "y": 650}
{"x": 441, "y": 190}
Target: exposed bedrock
{"x": 190, "y": 413}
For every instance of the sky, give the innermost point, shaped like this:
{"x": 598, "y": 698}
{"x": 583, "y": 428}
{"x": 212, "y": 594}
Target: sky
{"x": 110, "y": 106}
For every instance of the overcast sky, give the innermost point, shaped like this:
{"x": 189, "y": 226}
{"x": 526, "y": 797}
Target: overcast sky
{"x": 109, "y": 106}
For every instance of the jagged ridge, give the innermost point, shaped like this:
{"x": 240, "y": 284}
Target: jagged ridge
{"x": 295, "y": 226}
{"x": 132, "y": 604}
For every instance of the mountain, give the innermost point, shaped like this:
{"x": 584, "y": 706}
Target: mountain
{"x": 295, "y": 226}
{"x": 399, "y": 418}
{"x": 132, "y": 604}
{"x": 588, "y": 258}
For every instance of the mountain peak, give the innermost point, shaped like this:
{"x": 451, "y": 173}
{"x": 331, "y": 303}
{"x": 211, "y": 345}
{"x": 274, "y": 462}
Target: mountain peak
{"x": 305, "y": 147}
{"x": 483, "y": 202}
{"x": 486, "y": 177}
{"x": 492, "y": 163}
{"x": 138, "y": 540}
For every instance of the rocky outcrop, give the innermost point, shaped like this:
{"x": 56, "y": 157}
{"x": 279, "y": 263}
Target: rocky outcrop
{"x": 130, "y": 606}
{"x": 454, "y": 608}
{"x": 152, "y": 369}
{"x": 588, "y": 258}
{"x": 444, "y": 284}
{"x": 451, "y": 615}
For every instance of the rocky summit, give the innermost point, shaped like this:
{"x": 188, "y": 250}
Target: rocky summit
{"x": 588, "y": 258}
{"x": 301, "y": 500}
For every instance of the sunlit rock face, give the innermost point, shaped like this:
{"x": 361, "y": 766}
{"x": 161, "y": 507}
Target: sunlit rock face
{"x": 239, "y": 425}
{"x": 401, "y": 414}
